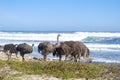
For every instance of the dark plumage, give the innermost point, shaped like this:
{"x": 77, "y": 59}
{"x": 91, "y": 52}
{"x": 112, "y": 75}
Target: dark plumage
{"x": 63, "y": 49}
{"x": 79, "y": 50}
{"x": 24, "y": 49}
{"x": 67, "y": 48}
{"x": 45, "y": 48}
{"x": 9, "y": 49}
{"x": 75, "y": 49}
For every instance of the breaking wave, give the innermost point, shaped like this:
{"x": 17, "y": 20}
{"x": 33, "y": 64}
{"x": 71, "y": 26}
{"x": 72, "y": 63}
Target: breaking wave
{"x": 76, "y": 36}
{"x": 96, "y": 41}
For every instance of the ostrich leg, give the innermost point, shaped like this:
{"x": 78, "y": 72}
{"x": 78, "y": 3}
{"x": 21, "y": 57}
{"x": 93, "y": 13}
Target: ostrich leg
{"x": 23, "y": 59}
{"x": 45, "y": 56}
{"x": 60, "y": 56}
{"x": 8, "y": 54}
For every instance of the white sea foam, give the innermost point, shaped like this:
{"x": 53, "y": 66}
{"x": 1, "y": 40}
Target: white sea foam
{"x": 36, "y": 38}
{"x": 99, "y": 34}
{"x": 103, "y": 50}
{"x": 104, "y": 47}
{"x": 104, "y": 60}
{"x": 77, "y": 36}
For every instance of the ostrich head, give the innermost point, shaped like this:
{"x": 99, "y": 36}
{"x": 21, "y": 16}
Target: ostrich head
{"x": 32, "y": 45}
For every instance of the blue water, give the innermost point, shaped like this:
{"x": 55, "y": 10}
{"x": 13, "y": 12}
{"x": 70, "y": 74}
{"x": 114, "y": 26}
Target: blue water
{"x": 104, "y": 46}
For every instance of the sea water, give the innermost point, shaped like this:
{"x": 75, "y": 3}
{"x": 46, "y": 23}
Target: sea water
{"x": 104, "y": 46}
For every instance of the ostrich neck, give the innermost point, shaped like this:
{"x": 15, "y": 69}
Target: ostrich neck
{"x": 57, "y": 39}
{"x": 58, "y": 43}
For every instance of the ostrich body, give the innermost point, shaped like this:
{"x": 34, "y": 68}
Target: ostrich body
{"x": 46, "y": 47}
{"x": 79, "y": 49}
{"x": 9, "y": 49}
{"x": 75, "y": 49}
{"x": 24, "y": 49}
{"x": 63, "y": 49}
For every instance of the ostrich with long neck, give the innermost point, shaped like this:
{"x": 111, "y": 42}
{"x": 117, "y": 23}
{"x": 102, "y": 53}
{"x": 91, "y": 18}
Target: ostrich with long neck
{"x": 46, "y": 47}
{"x": 74, "y": 49}
{"x": 61, "y": 48}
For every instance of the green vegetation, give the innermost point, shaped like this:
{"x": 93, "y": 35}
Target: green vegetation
{"x": 2, "y": 63}
{"x": 58, "y": 69}
{"x": 62, "y": 69}
{"x": 13, "y": 77}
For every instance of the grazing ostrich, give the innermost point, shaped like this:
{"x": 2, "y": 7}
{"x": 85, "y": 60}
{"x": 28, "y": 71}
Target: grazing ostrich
{"x": 79, "y": 49}
{"x": 9, "y": 49}
{"x": 46, "y": 47}
{"x": 75, "y": 49}
{"x": 24, "y": 49}
{"x": 63, "y": 49}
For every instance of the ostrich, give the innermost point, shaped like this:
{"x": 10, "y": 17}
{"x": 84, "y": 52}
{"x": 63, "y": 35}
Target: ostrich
{"x": 9, "y": 49}
{"x": 74, "y": 49}
{"x": 63, "y": 49}
{"x": 24, "y": 49}
{"x": 46, "y": 47}
{"x": 79, "y": 49}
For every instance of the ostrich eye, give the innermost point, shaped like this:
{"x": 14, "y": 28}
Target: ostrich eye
{"x": 32, "y": 44}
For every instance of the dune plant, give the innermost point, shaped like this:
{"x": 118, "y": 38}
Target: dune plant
{"x": 64, "y": 69}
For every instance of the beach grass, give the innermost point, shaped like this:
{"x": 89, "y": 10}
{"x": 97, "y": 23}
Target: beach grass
{"x": 62, "y": 69}
{"x": 2, "y": 63}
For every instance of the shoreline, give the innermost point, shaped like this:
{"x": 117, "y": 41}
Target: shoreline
{"x": 29, "y": 57}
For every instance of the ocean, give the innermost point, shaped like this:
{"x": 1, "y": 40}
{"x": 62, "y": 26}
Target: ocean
{"x": 104, "y": 46}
